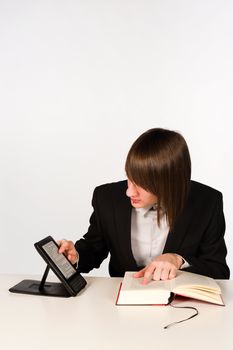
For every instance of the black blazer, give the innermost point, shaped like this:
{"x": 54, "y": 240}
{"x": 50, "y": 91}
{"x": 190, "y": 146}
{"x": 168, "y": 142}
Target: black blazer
{"x": 198, "y": 234}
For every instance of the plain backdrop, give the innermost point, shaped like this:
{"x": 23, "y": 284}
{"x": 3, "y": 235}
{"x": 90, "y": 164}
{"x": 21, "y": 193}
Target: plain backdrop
{"x": 79, "y": 82}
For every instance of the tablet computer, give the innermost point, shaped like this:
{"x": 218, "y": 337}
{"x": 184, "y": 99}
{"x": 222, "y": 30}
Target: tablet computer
{"x": 61, "y": 266}
{"x": 71, "y": 280}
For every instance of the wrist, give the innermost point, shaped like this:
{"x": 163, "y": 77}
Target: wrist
{"x": 180, "y": 261}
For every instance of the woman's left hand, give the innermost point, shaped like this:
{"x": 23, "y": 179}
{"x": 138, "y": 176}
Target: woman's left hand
{"x": 163, "y": 267}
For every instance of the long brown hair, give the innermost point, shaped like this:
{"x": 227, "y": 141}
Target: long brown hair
{"x": 159, "y": 162}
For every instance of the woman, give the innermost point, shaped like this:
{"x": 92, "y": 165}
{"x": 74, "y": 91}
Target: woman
{"x": 157, "y": 222}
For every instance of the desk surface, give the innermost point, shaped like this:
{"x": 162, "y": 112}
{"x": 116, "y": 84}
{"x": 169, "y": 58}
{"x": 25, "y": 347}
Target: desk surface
{"x": 91, "y": 320}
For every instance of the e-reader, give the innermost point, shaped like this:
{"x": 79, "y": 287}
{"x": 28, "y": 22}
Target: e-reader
{"x": 72, "y": 282}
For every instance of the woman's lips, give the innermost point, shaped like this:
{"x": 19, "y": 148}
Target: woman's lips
{"x": 135, "y": 201}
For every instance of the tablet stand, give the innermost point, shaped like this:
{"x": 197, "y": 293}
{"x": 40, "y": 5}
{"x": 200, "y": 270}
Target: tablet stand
{"x": 55, "y": 289}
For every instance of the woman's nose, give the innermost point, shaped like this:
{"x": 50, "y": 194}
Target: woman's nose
{"x": 131, "y": 190}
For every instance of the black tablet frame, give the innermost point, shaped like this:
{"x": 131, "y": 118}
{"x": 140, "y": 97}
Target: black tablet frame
{"x": 63, "y": 289}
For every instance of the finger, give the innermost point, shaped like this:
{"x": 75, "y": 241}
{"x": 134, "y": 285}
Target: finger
{"x": 148, "y": 275}
{"x": 147, "y": 278}
{"x": 61, "y": 241}
{"x": 139, "y": 273}
{"x": 165, "y": 273}
{"x": 157, "y": 273}
{"x": 64, "y": 245}
{"x": 72, "y": 258}
{"x": 173, "y": 273}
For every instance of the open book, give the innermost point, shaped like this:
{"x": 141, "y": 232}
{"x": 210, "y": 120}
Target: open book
{"x": 187, "y": 284}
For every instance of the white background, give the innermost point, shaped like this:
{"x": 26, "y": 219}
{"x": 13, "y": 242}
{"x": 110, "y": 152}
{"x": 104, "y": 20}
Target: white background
{"x": 79, "y": 81}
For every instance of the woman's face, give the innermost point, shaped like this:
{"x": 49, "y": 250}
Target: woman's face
{"x": 139, "y": 197}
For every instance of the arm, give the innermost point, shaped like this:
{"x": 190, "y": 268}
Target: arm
{"x": 92, "y": 248}
{"x": 210, "y": 259}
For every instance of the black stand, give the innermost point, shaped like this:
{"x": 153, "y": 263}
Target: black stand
{"x": 53, "y": 289}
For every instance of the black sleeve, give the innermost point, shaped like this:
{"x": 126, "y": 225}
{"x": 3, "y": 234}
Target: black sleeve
{"x": 210, "y": 259}
{"x": 92, "y": 248}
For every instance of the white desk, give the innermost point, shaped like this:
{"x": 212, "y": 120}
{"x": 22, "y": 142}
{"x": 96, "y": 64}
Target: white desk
{"x": 92, "y": 321}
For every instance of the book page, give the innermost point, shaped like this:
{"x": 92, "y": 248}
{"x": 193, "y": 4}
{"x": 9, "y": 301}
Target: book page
{"x": 187, "y": 280}
{"x": 197, "y": 286}
{"x": 131, "y": 283}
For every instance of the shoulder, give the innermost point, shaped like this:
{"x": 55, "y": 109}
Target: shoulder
{"x": 204, "y": 192}
{"x": 113, "y": 189}
{"x": 113, "y": 186}
{"x": 110, "y": 195}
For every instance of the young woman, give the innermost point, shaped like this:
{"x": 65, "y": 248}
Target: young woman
{"x": 156, "y": 222}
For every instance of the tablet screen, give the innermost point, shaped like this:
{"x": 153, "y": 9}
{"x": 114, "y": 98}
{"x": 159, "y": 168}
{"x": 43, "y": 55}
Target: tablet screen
{"x": 61, "y": 262}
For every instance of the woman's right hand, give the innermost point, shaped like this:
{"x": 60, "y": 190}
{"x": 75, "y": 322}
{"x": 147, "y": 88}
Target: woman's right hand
{"x": 68, "y": 249}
